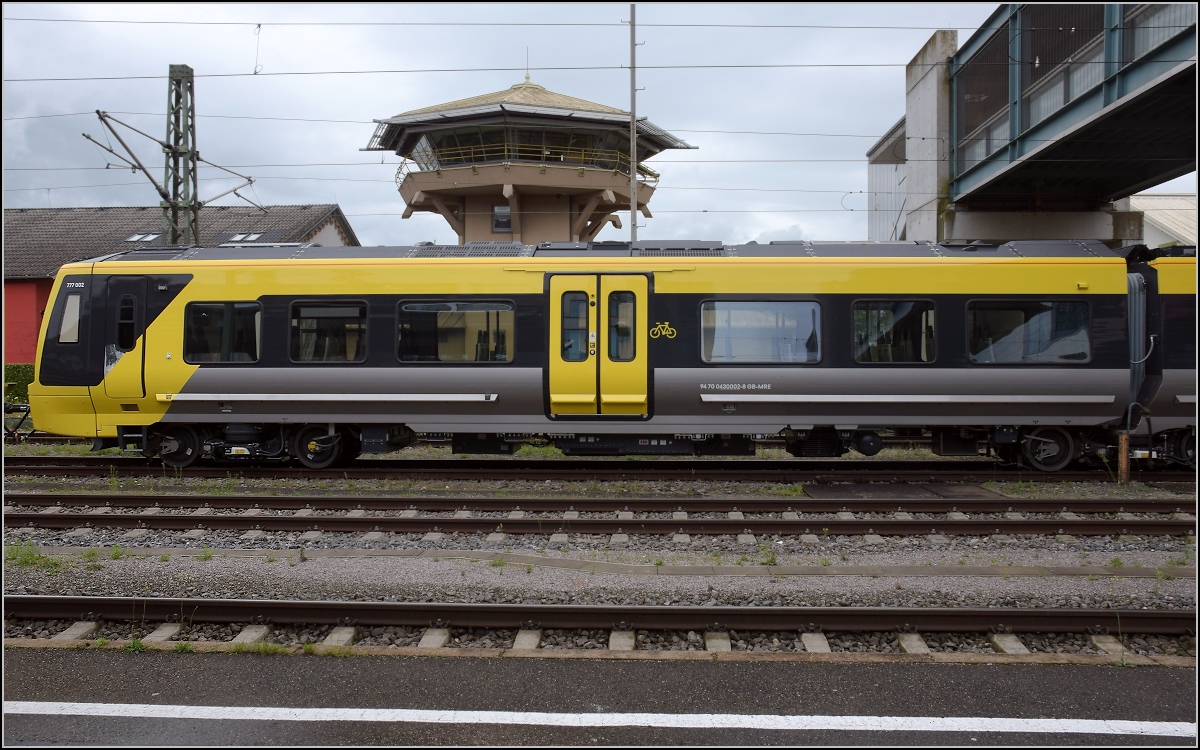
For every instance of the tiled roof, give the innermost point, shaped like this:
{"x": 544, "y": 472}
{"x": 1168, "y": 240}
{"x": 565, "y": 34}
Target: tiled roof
{"x": 522, "y": 93}
{"x": 1173, "y": 213}
{"x": 37, "y": 241}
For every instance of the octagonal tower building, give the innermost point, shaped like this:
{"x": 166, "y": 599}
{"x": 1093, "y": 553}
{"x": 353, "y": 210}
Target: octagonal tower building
{"x": 522, "y": 165}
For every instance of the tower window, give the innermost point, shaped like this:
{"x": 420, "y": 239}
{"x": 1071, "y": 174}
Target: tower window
{"x": 501, "y": 220}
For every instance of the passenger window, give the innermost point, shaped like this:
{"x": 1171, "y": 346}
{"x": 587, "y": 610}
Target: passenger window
{"x": 68, "y": 329}
{"x": 621, "y": 326}
{"x": 768, "y": 331}
{"x": 894, "y": 331}
{"x": 126, "y": 324}
{"x": 448, "y": 331}
{"x": 575, "y": 326}
{"x": 329, "y": 332}
{"x": 221, "y": 332}
{"x": 1017, "y": 332}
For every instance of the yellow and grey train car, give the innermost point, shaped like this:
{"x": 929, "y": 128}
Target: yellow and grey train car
{"x": 1039, "y": 351}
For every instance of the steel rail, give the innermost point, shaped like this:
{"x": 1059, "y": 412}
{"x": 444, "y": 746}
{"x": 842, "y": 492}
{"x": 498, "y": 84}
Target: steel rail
{"x": 999, "y": 504}
{"x": 593, "y": 469}
{"x": 709, "y": 526}
{"x": 566, "y": 616}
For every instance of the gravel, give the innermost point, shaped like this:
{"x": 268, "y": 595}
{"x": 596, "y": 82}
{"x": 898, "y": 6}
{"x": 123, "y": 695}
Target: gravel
{"x": 132, "y": 567}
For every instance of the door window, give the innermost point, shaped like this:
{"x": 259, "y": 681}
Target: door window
{"x": 575, "y": 326}
{"x": 621, "y": 326}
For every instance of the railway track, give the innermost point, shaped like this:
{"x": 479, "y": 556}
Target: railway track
{"x": 575, "y": 469}
{"x": 654, "y": 517}
{"x": 612, "y": 617}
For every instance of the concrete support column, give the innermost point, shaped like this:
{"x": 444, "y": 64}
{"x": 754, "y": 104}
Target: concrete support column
{"x": 927, "y": 122}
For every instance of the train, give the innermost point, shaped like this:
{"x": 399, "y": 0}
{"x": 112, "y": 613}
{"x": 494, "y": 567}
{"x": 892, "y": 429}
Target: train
{"x": 1038, "y": 352}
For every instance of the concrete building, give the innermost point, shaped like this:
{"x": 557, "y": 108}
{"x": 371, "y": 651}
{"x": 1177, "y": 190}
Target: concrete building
{"x": 523, "y": 165}
{"x": 1041, "y": 126}
{"x": 1168, "y": 218}
{"x": 37, "y": 241}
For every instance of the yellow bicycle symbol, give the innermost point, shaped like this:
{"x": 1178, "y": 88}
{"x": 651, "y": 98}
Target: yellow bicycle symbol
{"x": 662, "y": 329}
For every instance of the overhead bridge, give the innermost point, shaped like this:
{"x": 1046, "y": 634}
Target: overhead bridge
{"x": 1069, "y": 107}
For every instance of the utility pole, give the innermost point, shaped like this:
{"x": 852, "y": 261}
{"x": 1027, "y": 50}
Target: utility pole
{"x": 181, "y": 212}
{"x": 633, "y": 181}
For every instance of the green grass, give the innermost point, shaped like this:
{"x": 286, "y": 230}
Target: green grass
{"x": 767, "y": 554}
{"x": 538, "y": 451}
{"x": 205, "y": 555}
{"x": 787, "y": 490}
{"x": 115, "y": 552}
{"x": 261, "y": 647}
{"x": 100, "y": 642}
{"x": 184, "y": 647}
{"x": 135, "y": 646}
{"x": 1116, "y": 562}
{"x": 26, "y": 555}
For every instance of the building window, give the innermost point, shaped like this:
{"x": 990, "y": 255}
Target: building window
{"x": 768, "y": 331}
{"x": 501, "y": 220}
{"x": 244, "y": 237}
{"x": 450, "y": 331}
{"x": 894, "y": 331}
{"x": 142, "y": 237}
{"x": 221, "y": 332}
{"x": 329, "y": 332}
{"x": 1018, "y": 332}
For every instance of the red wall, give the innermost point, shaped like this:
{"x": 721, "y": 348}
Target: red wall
{"x": 25, "y": 301}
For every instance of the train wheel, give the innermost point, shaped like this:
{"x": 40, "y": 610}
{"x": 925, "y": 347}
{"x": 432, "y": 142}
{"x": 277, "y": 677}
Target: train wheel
{"x": 1185, "y": 448}
{"x": 178, "y": 446}
{"x": 1048, "y": 448}
{"x": 315, "y": 448}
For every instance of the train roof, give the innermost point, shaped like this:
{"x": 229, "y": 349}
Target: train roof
{"x": 642, "y": 249}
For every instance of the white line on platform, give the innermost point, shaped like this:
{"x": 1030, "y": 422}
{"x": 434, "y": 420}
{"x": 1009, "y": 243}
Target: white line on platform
{"x": 685, "y": 721}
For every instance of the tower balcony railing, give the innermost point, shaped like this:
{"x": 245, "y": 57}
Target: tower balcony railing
{"x": 432, "y": 159}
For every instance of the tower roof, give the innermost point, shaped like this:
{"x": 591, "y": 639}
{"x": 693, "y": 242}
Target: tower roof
{"x": 526, "y": 101}
{"x": 526, "y": 92}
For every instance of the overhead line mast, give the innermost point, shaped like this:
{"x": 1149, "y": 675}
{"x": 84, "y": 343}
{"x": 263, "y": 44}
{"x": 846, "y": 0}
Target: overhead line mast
{"x": 180, "y": 171}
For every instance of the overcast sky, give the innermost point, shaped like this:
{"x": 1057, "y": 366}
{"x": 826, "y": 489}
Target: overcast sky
{"x": 299, "y": 135}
